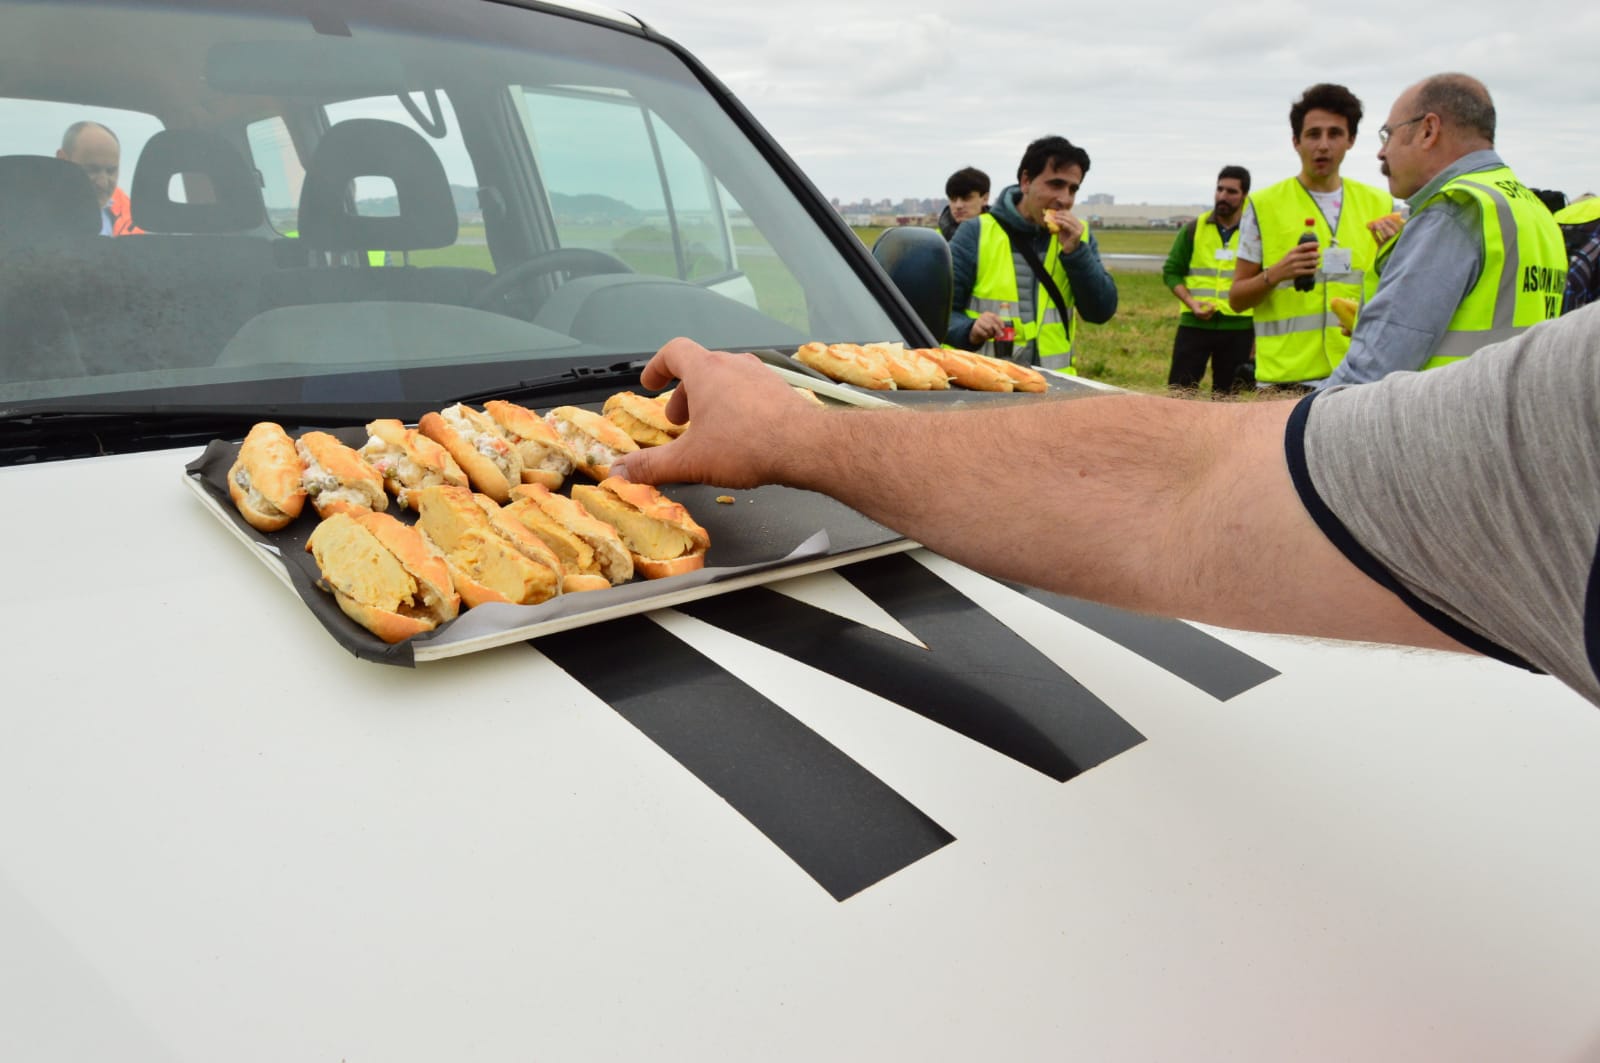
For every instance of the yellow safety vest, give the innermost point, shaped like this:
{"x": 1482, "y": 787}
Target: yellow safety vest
{"x": 1211, "y": 267}
{"x": 996, "y": 284}
{"x": 1584, "y": 210}
{"x": 1297, "y": 336}
{"x": 1524, "y": 263}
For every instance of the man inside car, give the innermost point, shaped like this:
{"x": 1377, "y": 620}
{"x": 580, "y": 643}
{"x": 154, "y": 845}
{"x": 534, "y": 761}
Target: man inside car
{"x": 96, "y": 150}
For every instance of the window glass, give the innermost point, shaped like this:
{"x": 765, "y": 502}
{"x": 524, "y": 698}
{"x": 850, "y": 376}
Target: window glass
{"x": 276, "y": 160}
{"x": 37, "y": 127}
{"x": 375, "y": 196}
{"x": 575, "y": 133}
{"x": 620, "y": 180}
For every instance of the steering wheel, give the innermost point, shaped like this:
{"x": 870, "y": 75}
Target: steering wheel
{"x": 578, "y": 261}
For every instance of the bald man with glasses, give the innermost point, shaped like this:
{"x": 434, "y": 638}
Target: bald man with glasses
{"x": 1480, "y": 259}
{"x": 96, "y": 150}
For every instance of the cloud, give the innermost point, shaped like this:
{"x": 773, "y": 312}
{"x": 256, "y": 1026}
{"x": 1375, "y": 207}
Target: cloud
{"x": 885, "y": 100}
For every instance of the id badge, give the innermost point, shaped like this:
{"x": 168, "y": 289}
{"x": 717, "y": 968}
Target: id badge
{"x": 1336, "y": 260}
{"x": 1224, "y": 254}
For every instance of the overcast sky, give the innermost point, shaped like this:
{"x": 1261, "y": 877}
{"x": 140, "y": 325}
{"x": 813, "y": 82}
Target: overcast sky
{"x": 884, "y": 98}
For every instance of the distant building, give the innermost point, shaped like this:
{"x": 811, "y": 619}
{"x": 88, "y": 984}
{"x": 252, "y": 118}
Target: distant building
{"x": 1100, "y": 199}
{"x": 1144, "y": 215}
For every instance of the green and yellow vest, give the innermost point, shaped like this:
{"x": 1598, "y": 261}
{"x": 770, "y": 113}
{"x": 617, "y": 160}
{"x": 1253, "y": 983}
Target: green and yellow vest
{"x": 1210, "y": 276}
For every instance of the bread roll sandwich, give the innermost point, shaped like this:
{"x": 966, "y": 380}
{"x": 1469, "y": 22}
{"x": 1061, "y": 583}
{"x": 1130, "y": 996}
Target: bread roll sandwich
{"x": 1392, "y": 216}
{"x": 658, "y": 532}
{"x": 483, "y": 564}
{"x": 909, "y": 369}
{"x": 970, "y": 370}
{"x": 848, "y": 363}
{"x": 1023, "y": 377}
{"x": 1345, "y": 310}
{"x": 407, "y": 459}
{"x": 584, "y": 543}
{"x": 531, "y": 546}
{"x": 484, "y": 453}
{"x": 643, "y": 418}
{"x": 337, "y": 479}
{"x": 596, "y": 441}
{"x": 266, "y": 480}
{"x": 383, "y": 575}
{"x": 546, "y": 457}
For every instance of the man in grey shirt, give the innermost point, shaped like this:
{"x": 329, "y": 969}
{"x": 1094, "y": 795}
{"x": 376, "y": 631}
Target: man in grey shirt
{"x": 1454, "y": 510}
{"x": 1438, "y": 130}
{"x": 1472, "y": 493}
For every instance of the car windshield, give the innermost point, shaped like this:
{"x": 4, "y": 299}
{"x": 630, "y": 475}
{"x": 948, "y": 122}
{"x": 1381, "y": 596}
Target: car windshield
{"x": 258, "y": 205}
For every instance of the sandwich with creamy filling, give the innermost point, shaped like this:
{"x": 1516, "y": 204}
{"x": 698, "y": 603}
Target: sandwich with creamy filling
{"x": 337, "y": 479}
{"x": 266, "y": 481}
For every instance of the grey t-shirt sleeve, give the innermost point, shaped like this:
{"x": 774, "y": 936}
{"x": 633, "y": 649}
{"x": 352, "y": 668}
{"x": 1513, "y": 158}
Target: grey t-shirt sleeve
{"x": 1473, "y": 492}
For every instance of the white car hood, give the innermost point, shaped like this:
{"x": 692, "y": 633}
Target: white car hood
{"x": 225, "y": 837}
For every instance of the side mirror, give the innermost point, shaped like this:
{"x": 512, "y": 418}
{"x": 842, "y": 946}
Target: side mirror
{"x": 918, "y": 261}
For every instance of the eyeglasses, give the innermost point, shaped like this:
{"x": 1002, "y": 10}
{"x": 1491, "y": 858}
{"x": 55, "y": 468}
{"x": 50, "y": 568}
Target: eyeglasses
{"x": 1384, "y": 132}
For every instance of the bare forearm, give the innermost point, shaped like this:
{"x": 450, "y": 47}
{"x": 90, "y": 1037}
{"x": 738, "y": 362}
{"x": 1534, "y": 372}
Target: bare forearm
{"x": 1159, "y": 505}
{"x": 1251, "y": 286}
{"x": 1091, "y": 497}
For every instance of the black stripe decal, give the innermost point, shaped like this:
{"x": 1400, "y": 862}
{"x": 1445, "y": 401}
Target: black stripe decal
{"x": 977, "y": 677}
{"x": 1197, "y": 658}
{"x": 843, "y": 825}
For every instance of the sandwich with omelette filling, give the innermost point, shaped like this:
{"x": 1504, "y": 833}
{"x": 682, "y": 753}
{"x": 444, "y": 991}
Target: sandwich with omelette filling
{"x": 531, "y": 546}
{"x": 407, "y": 459}
{"x": 546, "y": 457}
{"x": 658, "y": 532}
{"x": 504, "y": 521}
{"x": 585, "y": 544}
{"x": 266, "y": 481}
{"x": 382, "y": 574}
{"x": 483, "y": 564}
{"x": 337, "y": 479}
{"x": 490, "y": 461}
{"x": 596, "y": 441}
{"x": 643, "y": 418}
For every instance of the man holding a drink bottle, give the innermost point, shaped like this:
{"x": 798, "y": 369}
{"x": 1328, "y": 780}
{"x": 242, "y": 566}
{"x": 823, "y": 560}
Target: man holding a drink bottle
{"x": 1030, "y": 268}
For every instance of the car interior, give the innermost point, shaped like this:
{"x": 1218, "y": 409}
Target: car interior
{"x": 355, "y": 189}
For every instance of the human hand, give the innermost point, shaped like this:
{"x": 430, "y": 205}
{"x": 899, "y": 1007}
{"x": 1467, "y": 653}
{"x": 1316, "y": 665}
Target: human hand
{"x": 1301, "y": 261}
{"x": 1203, "y": 311}
{"x": 730, "y": 440}
{"x": 1386, "y": 228}
{"x": 1066, "y": 226}
{"x": 986, "y": 327}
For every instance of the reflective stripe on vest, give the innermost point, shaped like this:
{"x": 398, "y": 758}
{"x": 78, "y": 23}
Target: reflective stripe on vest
{"x": 1524, "y": 270}
{"x": 995, "y": 287}
{"x": 1210, "y": 283}
{"x": 1297, "y": 337}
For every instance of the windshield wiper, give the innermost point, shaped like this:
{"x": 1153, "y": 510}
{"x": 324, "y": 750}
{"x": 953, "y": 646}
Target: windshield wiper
{"x": 577, "y": 377}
